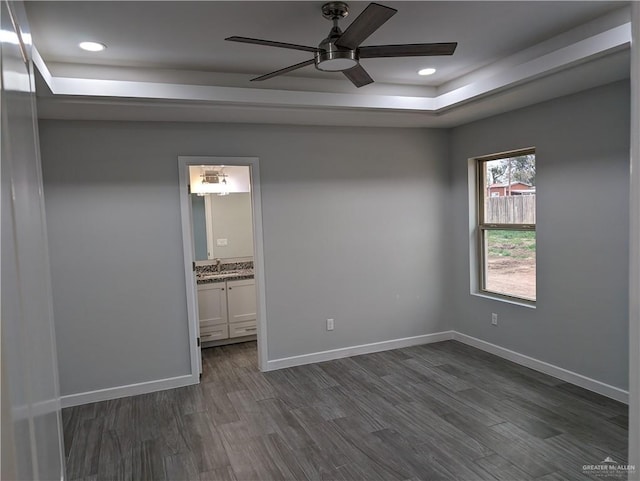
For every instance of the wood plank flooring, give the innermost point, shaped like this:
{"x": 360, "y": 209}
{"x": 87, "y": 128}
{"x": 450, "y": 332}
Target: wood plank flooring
{"x": 443, "y": 411}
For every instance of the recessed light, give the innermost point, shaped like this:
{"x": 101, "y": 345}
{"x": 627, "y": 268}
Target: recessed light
{"x": 92, "y": 46}
{"x": 427, "y": 71}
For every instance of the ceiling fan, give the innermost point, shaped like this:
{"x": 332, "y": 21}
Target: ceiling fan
{"x": 341, "y": 51}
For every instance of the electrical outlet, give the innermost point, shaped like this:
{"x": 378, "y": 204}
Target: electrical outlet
{"x": 329, "y": 324}
{"x": 494, "y": 319}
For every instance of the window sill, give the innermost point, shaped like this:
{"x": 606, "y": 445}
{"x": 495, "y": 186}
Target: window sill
{"x": 506, "y": 299}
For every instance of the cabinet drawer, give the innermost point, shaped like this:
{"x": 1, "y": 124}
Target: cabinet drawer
{"x": 246, "y": 328}
{"x": 214, "y": 333}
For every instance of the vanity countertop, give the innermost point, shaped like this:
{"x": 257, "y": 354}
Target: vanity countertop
{"x": 235, "y": 275}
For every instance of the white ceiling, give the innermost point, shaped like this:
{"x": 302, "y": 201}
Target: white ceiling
{"x": 172, "y": 59}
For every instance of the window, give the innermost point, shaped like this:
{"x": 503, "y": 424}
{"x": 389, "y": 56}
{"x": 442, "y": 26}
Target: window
{"x": 506, "y": 224}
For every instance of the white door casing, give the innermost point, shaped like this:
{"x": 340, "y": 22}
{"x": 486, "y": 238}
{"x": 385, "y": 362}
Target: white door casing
{"x": 188, "y": 248}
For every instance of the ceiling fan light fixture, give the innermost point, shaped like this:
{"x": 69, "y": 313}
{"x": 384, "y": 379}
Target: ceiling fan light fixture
{"x": 336, "y": 64}
{"x": 336, "y": 60}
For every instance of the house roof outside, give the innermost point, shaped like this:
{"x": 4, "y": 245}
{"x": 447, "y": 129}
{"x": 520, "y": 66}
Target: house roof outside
{"x": 512, "y": 184}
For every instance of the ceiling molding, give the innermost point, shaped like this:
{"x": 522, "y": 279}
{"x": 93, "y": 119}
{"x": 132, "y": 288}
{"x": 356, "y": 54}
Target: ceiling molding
{"x": 604, "y": 70}
{"x": 601, "y": 44}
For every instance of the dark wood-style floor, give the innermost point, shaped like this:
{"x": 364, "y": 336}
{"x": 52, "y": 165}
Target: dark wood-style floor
{"x": 439, "y": 411}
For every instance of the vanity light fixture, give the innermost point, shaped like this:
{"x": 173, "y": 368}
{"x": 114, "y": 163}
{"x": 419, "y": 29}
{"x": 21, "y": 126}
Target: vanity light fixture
{"x": 213, "y": 178}
{"x": 92, "y": 46}
{"x": 427, "y": 71}
{"x": 224, "y": 181}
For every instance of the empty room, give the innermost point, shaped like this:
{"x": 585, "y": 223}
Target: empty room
{"x": 300, "y": 240}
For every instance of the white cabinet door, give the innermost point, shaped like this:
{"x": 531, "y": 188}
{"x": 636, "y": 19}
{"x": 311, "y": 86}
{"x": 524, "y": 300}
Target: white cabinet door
{"x": 241, "y": 296}
{"x": 212, "y": 304}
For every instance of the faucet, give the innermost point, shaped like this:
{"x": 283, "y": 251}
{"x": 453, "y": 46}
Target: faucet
{"x": 217, "y": 261}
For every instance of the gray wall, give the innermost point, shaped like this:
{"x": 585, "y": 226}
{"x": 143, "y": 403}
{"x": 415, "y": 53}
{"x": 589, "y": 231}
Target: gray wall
{"x": 351, "y": 232}
{"x": 373, "y": 234}
{"x": 582, "y": 153}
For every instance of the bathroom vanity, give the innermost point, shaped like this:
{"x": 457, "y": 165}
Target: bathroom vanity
{"x": 227, "y": 307}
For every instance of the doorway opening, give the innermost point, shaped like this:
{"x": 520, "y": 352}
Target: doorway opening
{"x": 223, "y": 252}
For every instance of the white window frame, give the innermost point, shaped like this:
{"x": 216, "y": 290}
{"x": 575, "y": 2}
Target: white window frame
{"x": 478, "y": 228}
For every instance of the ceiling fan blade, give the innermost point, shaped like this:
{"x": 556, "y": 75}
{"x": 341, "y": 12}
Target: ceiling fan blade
{"x": 407, "y": 50}
{"x": 270, "y": 43}
{"x": 370, "y": 20}
{"x": 358, "y": 76}
{"x": 283, "y": 70}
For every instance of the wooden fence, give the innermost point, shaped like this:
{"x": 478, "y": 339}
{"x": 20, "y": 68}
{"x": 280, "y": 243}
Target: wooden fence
{"x": 515, "y": 209}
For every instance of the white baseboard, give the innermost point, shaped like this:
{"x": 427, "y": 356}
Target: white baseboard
{"x": 126, "y": 391}
{"x": 544, "y": 367}
{"x": 357, "y": 350}
{"x": 530, "y": 362}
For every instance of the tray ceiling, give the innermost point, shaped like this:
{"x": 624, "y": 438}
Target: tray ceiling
{"x": 171, "y": 57}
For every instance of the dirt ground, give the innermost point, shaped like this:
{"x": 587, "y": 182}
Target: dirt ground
{"x": 512, "y": 276}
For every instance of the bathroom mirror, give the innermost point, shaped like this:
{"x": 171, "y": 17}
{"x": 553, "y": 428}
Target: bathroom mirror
{"x": 222, "y": 225}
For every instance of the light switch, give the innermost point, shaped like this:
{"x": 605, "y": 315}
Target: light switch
{"x": 221, "y": 242}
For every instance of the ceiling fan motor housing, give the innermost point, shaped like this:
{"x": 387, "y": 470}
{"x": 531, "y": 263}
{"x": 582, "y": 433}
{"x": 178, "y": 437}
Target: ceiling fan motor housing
{"x": 330, "y": 57}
